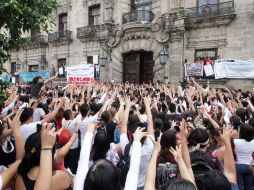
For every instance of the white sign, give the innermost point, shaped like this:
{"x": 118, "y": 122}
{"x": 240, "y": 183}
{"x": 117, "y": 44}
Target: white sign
{"x": 208, "y": 70}
{"x": 95, "y": 59}
{"x": 80, "y": 74}
{"x": 233, "y": 68}
{"x": 13, "y": 80}
{"x": 60, "y": 70}
{"x": 194, "y": 69}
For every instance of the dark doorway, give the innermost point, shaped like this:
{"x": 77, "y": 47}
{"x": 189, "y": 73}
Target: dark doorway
{"x": 138, "y": 67}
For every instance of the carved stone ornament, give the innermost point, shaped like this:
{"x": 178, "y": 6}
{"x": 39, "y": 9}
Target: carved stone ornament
{"x": 109, "y": 3}
{"x": 155, "y": 27}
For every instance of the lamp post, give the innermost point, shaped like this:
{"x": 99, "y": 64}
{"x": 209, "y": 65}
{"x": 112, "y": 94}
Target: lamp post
{"x": 163, "y": 58}
{"x": 103, "y": 60}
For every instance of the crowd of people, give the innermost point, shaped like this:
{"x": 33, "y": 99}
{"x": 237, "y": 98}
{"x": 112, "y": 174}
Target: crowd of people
{"x": 114, "y": 136}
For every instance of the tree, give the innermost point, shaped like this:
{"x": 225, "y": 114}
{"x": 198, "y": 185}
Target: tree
{"x": 20, "y": 16}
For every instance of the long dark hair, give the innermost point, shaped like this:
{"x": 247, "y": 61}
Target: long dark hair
{"x": 96, "y": 178}
{"x": 32, "y": 154}
{"x": 168, "y": 140}
{"x": 101, "y": 146}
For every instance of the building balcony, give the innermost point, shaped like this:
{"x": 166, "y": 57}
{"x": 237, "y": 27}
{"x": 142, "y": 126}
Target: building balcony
{"x": 142, "y": 16}
{"x": 87, "y": 31}
{"x": 38, "y": 40}
{"x": 60, "y": 36}
{"x": 210, "y": 14}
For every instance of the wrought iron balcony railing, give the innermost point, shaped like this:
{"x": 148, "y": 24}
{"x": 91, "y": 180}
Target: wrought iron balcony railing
{"x": 211, "y": 10}
{"x": 60, "y": 36}
{"x": 38, "y": 39}
{"x": 139, "y": 15}
{"x": 87, "y": 31}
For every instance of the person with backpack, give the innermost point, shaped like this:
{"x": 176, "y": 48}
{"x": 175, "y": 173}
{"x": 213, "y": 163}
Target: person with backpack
{"x": 201, "y": 160}
{"x": 167, "y": 169}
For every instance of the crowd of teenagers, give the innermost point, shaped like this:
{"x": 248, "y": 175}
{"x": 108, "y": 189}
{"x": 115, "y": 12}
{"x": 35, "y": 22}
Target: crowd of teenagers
{"x": 109, "y": 136}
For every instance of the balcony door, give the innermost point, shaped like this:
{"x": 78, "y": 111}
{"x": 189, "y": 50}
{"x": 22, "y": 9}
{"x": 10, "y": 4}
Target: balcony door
{"x": 63, "y": 23}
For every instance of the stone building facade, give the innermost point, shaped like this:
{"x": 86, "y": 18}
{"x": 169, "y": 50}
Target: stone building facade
{"x": 133, "y": 33}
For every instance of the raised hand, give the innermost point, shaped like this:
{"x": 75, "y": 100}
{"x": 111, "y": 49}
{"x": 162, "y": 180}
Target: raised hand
{"x": 177, "y": 153}
{"x": 48, "y": 136}
{"x": 15, "y": 123}
{"x": 139, "y": 134}
{"x": 147, "y": 101}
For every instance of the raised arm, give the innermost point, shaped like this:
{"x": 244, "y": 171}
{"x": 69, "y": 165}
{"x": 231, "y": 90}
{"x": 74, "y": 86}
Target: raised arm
{"x": 147, "y": 102}
{"x": 185, "y": 174}
{"x": 229, "y": 162}
{"x": 132, "y": 176}
{"x": 50, "y": 79}
{"x": 19, "y": 141}
{"x": 151, "y": 172}
{"x": 84, "y": 158}
{"x": 44, "y": 177}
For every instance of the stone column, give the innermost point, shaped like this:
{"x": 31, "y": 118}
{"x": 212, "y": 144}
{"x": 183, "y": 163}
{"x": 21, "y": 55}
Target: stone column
{"x": 175, "y": 69}
{"x": 108, "y": 14}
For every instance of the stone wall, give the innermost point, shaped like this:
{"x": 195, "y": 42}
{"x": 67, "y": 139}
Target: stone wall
{"x": 234, "y": 38}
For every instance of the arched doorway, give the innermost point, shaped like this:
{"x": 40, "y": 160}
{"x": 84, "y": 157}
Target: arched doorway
{"x": 138, "y": 67}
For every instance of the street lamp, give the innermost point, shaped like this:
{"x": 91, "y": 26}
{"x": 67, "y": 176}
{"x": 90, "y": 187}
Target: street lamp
{"x": 103, "y": 60}
{"x": 163, "y": 57}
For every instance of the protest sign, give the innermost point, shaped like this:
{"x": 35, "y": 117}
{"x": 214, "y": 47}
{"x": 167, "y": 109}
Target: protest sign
{"x": 233, "y": 68}
{"x": 208, "y": 70}
{"x": 80, "y": 74}
{"x": 5, "y": 78}
{"x": 193, "y": 69}
{"x": 28, "y": 76}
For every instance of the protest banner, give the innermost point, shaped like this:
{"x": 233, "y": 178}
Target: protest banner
{"x": 28, "y": 76}
{"x": 193, "y": 69}
{"x": 234, "y": 69}
{"x": 80, "y": 74}
{"x": 208, "y": 70}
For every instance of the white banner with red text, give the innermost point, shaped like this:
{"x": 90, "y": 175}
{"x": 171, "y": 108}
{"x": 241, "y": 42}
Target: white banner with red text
{"x": 80, "y": 74}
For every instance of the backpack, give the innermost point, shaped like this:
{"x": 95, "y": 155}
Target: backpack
{"x": 123, "y": 164}
{"x": 166, "y": 172}
{"x": 202, "y": 162}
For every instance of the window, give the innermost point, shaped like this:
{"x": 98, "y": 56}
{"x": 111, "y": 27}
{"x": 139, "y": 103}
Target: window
{"x": 94, "y": 15}
{"x": 13, "y": 67}
{"x": 33, "y": 68}
{"x": 206, "y": 56}
{"x": 205, "y": 2}
{"x": 89, "y": 59}
{"x": 63, "y": 22}
{"x": 61, "y": 62}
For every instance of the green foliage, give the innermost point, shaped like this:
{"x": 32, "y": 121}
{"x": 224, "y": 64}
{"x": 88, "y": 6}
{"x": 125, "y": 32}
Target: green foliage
{"x": 3, "y": 93}
{"x": 20, "y": 16}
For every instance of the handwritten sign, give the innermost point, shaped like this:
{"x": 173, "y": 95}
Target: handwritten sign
{"x": 28, "y": 76}
{"x": 194, "y": 69}
{"x": 80, "y": 74}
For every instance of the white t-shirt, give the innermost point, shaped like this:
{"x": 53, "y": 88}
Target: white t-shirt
{"x": 84, "y": 123}
{"x": 70, "y": 125}
{"x": 38, "y": 113}
{"x": 146, "y": 153}
{"x": 28, "y": 129}
{"x": 1, "y": 183}
{"x": 244, "y": 150}
{"x": 143, "y": 118}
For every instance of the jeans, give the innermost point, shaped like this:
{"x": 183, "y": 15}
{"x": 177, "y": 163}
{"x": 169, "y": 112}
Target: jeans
{"x": 244, "y": 177}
